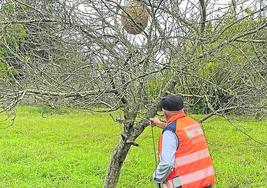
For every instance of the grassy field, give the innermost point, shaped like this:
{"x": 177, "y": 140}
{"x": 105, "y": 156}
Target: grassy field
{"x": 73, "y": 150}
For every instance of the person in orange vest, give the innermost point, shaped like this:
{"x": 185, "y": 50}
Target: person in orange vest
{"x": 184, "y": 158}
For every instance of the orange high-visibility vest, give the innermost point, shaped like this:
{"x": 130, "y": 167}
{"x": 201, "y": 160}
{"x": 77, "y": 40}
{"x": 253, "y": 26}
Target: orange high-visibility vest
{"x": 193, "y": 165}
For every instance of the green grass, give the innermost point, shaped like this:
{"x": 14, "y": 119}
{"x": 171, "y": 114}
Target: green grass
{"x": 72, "y": 149}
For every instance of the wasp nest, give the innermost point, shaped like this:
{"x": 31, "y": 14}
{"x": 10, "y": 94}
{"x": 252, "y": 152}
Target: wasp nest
{"x": 134, "y": 17}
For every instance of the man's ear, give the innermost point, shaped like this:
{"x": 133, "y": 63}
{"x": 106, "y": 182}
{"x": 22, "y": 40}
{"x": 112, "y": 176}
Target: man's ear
{"x": 164, "y": 113}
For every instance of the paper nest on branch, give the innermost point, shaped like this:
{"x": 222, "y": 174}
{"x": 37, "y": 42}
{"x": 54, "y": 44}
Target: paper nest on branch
{"x": 134, "y": 17}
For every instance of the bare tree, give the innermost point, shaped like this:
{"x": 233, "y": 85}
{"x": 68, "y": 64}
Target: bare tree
{"x": 78, "y": 54}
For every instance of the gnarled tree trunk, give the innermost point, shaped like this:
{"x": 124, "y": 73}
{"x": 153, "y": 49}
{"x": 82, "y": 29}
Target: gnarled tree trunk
{"x": 118, "y": 156}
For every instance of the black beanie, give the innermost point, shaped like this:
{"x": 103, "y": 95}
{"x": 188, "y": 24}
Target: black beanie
{"x": 172, "y": 103}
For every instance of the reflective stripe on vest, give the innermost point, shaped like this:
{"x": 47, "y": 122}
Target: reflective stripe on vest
{"x": 180, "y": 161}
{"x": 193, "y": 131}
{"x": 189, "y": 178}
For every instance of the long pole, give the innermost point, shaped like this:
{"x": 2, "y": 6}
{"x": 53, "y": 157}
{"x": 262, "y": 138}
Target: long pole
{"x": 155, "y": 154}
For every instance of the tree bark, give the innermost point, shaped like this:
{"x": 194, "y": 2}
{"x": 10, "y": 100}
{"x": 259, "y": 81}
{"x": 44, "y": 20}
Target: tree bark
{"x": 118, "y": 156}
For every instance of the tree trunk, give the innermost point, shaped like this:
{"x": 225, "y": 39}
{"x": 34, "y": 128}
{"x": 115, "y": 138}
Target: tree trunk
{"x": 115, "y": 164}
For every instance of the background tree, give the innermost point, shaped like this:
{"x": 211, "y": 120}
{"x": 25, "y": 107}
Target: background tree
{"x": 77, "y": 54}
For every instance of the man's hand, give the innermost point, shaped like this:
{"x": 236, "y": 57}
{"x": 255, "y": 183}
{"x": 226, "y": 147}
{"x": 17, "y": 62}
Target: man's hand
{"x": 157, "y": 122}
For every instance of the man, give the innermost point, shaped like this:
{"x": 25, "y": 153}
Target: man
{"x": 183, "y": 151}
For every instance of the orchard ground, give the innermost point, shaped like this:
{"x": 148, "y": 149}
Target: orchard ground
{"x": 72, "y": 149}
